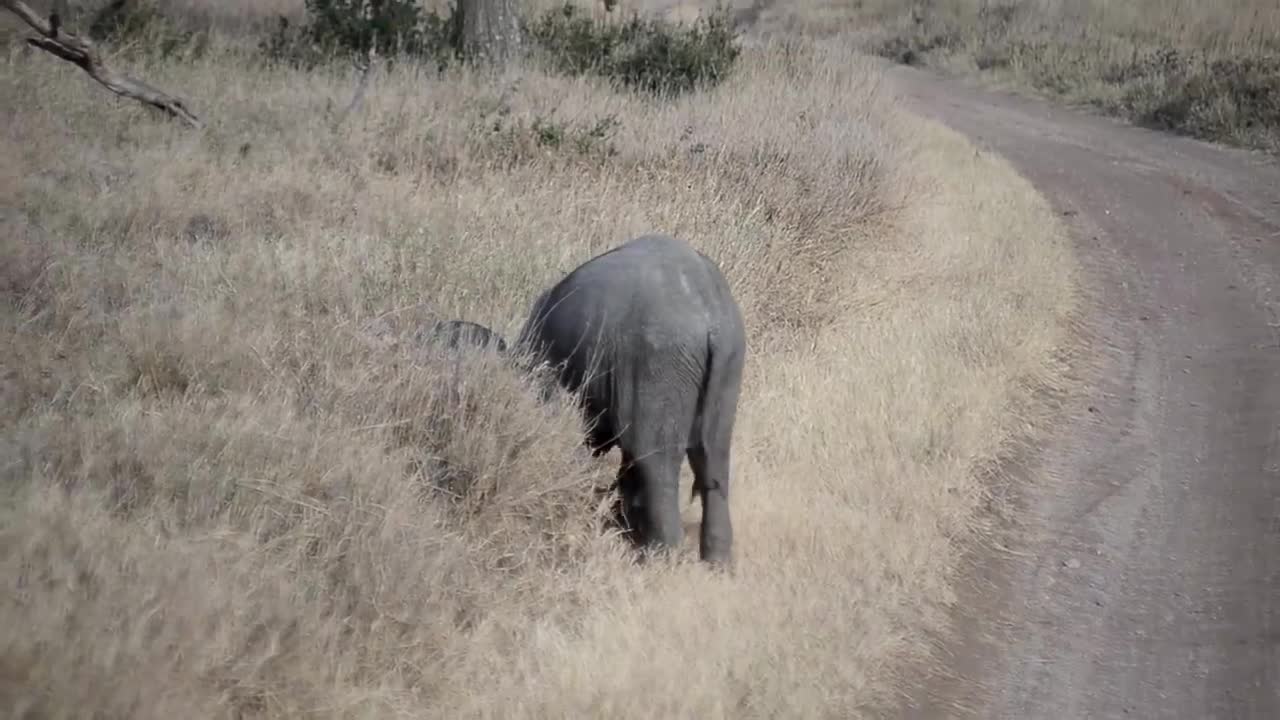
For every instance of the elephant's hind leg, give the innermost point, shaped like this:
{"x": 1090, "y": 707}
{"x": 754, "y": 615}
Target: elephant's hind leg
{"x": 659, "y": 497}
{"x": 711, "y": 481}
{"x": 627, "y": 507}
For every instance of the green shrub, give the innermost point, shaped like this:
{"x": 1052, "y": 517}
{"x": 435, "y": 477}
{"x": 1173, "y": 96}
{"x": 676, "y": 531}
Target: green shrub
{"x": 646, "y": 54}
{"x": 139, "y": 27}
{"x": 581, "y": 139}
{"x": 391, "y": 27}
{"x": 1235, "y": 99}
{"x": 913, "y": 48}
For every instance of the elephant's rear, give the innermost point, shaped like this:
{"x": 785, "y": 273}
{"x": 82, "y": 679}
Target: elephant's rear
{"x": 652, "y": 336}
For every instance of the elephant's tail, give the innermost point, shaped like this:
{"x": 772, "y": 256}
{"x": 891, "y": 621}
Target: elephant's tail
{"x": 718, "y": 397}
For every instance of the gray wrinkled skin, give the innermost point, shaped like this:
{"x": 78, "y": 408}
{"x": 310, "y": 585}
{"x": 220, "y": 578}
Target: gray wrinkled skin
{"x": 650, "y": 334}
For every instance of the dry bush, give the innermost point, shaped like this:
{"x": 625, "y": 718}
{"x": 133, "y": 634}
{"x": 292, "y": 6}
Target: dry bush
{"x": 235, "y": 485}
{"x": 1211, "y": 70}
{"x": 240, "y": 16}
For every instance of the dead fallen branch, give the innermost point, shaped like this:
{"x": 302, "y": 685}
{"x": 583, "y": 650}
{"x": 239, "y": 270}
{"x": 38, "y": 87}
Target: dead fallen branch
{"x": 82, "y": 53}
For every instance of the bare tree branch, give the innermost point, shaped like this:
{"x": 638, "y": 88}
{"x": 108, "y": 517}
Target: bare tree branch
{"x": 81, "y": 52}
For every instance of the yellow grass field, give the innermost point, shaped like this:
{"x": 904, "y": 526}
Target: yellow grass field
{"x": 231, "y": 489}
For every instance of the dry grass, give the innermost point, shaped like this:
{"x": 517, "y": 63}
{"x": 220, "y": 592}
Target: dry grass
{"x": 232, "y": 489}
{"x": 1211, "y": 70}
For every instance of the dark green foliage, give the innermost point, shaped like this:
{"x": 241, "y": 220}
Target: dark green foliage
{"x": 140, "y": 27}
{"x": 913, "y": 48}
{"x": 645, "y": 54}
{"x": 581, "y": 139}
{"x": 516, "y": 142}
{"x": 392, "y": 27}
{"x": 1236, "y": 99}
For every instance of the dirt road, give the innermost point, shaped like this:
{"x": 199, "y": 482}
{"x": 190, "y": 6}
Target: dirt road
{"x": 1148, "y": 582}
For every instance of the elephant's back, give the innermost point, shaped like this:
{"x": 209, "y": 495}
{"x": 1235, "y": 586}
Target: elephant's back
{"x": 653, "y": 272}
{"x": 652, "y": 292}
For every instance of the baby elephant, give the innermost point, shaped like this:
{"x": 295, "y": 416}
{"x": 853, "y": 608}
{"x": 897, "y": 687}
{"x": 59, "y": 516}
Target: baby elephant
{"x": 651, "y": 335}
{"x": 456, "y": 333}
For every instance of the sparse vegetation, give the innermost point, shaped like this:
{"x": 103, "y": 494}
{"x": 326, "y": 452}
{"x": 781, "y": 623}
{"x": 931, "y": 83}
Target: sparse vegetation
{"x": 234, "y": 487}
{"x": 139, "y": 28}
{"x": 392, "y": 28}
{"x": 637, "y": 52}
{"x": 642, "y": 52}
{"x": 1211, "y": 70}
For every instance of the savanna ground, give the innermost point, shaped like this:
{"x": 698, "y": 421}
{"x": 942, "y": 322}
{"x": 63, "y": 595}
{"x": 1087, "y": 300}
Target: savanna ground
{"x": 235, "y": 487}
{"x": 1206, "y": 69}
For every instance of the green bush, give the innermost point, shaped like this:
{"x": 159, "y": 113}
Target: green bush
{"x": 913, "y": 48}
{"x": 646, "y": 54}
{"x": 1236, "y": 99}
{"x": 391, "y": 27}
{"x": 512, "y": 142}
{"x": 139, "y": 28}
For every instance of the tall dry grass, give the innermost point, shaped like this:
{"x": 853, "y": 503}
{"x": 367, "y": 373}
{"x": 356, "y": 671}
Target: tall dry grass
{"x": 1208, "y": 69}
{"x": 234, "y": 485}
